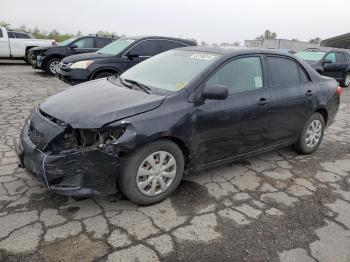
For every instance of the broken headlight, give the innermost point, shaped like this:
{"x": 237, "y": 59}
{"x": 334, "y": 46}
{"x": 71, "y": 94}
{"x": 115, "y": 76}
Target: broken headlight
{"x": 73, "y": 139}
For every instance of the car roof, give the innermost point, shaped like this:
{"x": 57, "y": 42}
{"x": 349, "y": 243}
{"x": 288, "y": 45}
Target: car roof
{"x": 327, "y": 50}
{"x": 235, "y": 50}
{"x": 144, "y": 37}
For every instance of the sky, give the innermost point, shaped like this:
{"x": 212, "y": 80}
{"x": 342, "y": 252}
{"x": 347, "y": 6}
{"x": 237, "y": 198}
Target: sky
{"x": 213, "y": 21}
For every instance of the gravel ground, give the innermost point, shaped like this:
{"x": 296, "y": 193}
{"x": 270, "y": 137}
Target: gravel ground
{"x": 278, "y": 206}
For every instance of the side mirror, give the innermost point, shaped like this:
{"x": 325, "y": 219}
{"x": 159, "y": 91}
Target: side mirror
{"x": 327, "y": 61}
{"x": 216, "y": 92}
{"x": 73, "y": 46}
{"x": 131, "y": 55}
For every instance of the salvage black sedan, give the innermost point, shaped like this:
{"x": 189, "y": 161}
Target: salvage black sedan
{"x": 178, "y": 112}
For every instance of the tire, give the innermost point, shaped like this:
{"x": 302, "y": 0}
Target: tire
{"x": 50, "y": 64}
{"x": 346, "y": 82}
{"x": 29, "y": 58}
{"x": 103, "y": 74}
{"x": 303, "y": 145}
{"x": 129, "y": 183}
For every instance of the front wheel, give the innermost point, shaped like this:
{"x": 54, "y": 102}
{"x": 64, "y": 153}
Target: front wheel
{"x": 311, "y": 135}
{"x": 152, "y": 173}
{"x": 346, "y": 81}
{"x": 51, "y": 65}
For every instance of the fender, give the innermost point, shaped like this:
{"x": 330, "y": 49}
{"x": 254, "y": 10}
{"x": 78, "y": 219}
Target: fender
{"x": 106, "y": 68}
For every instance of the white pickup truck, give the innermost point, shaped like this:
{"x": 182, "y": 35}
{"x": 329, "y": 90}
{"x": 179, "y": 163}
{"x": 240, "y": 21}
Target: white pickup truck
{"x": 15, "y": 45}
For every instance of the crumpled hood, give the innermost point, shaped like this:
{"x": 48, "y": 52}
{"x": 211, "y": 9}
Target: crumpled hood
{"x": 85, "y": 56}
{"x": 96, "y": 103}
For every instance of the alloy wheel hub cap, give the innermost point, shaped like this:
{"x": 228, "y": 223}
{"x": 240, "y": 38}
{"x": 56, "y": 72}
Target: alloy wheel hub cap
{"x": 156, "y": 173}
{"x": 313, "y": 133}
{"x": 347, "y": 80}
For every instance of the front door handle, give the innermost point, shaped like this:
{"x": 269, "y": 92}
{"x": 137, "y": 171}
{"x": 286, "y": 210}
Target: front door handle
{"x": 263, "y": 101}
{"x": 308, "y": 93}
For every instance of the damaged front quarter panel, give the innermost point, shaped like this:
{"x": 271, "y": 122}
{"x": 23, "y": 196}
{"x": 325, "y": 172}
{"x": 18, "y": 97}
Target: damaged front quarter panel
{"x": 74, "y": 161}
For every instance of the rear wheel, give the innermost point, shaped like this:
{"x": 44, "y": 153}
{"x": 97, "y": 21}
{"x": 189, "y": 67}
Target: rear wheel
{"x": 346, "y": 81}
{"x": 312, "y": 134}
{"x": 102, "y": 75}
{"x": 152, "y": 173}
{"x": 51, "y": 65}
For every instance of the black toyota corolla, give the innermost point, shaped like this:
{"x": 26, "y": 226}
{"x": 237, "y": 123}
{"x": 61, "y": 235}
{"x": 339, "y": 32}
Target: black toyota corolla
{"x": 181, "y": 111}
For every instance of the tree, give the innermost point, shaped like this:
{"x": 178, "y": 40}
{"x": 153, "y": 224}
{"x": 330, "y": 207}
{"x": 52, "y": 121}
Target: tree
{"x": 235, "y": 43}
{"x": 106, "y": 33}
{"x": 5, "y": 24}
{"x": 268, "y": 35}
{"x": 316, "y": 40}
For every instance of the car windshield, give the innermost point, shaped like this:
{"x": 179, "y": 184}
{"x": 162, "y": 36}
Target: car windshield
{"x": 171, "y": 70}
{"x": 66, "y": 42}
{"x": 116, "y": 47}
{"x": 310, "y": 56}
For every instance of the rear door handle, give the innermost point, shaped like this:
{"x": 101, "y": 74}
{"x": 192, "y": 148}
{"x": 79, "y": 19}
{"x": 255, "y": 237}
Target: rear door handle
{"x": 308, "y": 93}
{"x": 263, "y": 101}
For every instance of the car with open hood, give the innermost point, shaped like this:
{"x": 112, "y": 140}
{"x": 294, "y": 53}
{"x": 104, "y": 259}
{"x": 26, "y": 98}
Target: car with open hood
{"x": 116, "y": 57}
{"x": 332, "y": 63}
{"x": 178, "y": 112}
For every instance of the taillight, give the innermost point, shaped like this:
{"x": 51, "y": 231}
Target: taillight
{"x": 339, "y": 90}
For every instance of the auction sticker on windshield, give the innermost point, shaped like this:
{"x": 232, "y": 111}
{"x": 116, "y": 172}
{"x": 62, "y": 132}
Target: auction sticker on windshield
{"x": 202, "y": 56}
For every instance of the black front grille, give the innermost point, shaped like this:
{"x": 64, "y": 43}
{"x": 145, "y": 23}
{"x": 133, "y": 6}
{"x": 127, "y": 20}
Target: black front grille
{"x": 35, "y": 136}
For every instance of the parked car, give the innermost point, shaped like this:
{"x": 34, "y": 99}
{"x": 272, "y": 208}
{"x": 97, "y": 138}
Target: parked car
{"x": 180, "y": 111}
{"x": 16, "y": 45}
{"x": 48, "y": 58}
{"x": 115, "y": 57}
{"x": 335, "y": 63}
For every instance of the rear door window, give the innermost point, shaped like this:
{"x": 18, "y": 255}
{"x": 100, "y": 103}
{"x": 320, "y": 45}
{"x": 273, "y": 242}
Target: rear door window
{"x": 101, "y": 42}
{"x": 1, "y": 35}
{"x": 341, "y": 57}
{"x": 165, "y": 45}
{"x": 11, "y": 34}
{"x": 145, "y": 48}
{"x": 283, "y": 71}
{"x": 303, "y": 76}
{"x": 22, "y": 35}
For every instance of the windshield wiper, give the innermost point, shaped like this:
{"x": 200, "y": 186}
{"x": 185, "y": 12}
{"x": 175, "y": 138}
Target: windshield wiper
{"x": 145, "y": 88}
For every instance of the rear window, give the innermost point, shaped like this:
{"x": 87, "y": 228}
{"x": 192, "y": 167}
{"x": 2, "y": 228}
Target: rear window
{"x": 283, "y": 71}
{"x": 165, "y": 45}
{"x": 310, "y": 56}
{"x": 22, "y": 35}
{"x": 101, "y": 42}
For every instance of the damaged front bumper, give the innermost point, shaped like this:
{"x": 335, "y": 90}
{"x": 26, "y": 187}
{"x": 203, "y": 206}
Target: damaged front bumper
{"x": 76, "y": 172}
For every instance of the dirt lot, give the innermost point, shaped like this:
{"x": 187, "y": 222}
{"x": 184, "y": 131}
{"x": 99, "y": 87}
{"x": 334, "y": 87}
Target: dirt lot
{"x": 276, "y": 207}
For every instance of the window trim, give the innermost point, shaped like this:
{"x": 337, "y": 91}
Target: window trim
{"x": 299, "y": 65}
{"x": 221, "y": 65}
{"x": 155, "y": 39}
